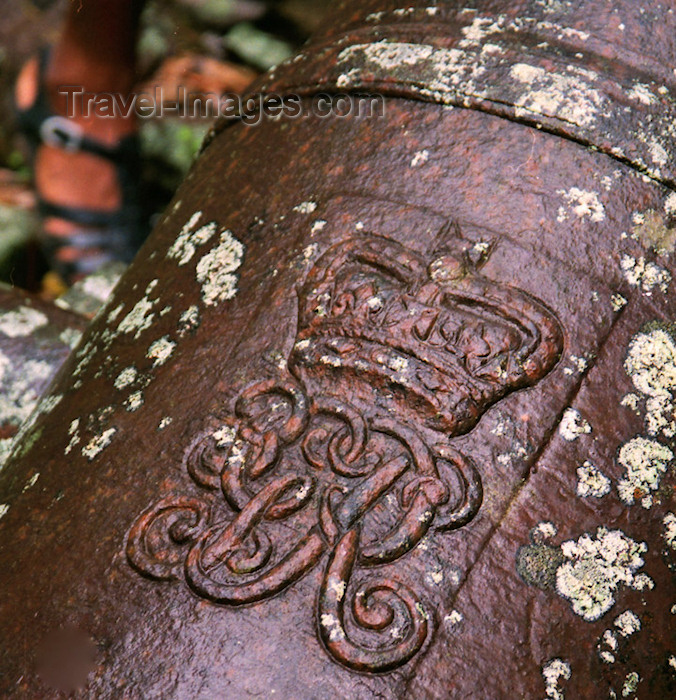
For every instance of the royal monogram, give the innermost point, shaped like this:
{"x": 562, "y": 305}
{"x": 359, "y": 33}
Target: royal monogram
{"x": 350, "y": 449}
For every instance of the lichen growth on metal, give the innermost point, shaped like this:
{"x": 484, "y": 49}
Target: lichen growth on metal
{"x": 21, "y": 322}
{"x": 594, "y": 568}
{"x": 645, "y": 462}
{"x": 573, "y": 425}
{"x": 591, "y": 482}
{"x": 554, "y": 672}
{"x": 217, "y": 270}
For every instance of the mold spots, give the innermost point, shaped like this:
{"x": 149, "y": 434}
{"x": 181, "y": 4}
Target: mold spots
{"x": 645, "y": 275}
{"x": 595, "y": 567}
{"x": 591, "y": 482}
{"x": 581, "y": 203}
{"x": 573, "y": 425}
{"x": 165, "y": 422}
{"x": 554, "y": 673}
{"x": 21, "y": 322}
{"x": 97, "y": 444}
{"x": 318, "y": 225}
{"x": 184, "y": 247}
{"x": 216, "y": 271}
{"x": 160, "y": 351}
{"x": 645, "y": 462}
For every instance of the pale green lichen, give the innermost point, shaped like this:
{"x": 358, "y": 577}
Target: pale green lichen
{"x": 553, "y": 672}
{"x": 189, "y": 321}
{"x": 97, "y": 444}
{"x": 73, "y": 431}
{"x": 645, "y": 275}
{"x": 134, "y": 401}
{"x": 630, "y": 684}
{"x": 645, "y": 462}
{"x": 70, "y": 337}
{"x": 217, "y": 270}
{"x": 573, "y": 425}
{"x": 126, "y": 378}
{"x": 305, "y": 207}
{"x": 591, "y": 482}
{"x": 454, "y": 618}
{"x": 189, "y": 238}
{"x": 582, "y": 203}
{"x": 595, "y": 567}
{"x": 670, "y": 530}
{"x": 161, "y": 350}
{"x": 21, "y": 322}
{"x": 652, "y": 231}
{"x": 420, "y": 158}
{"x": 139, "y": 319}
{"x": 627, "y": 623}
{"x": 651, "y": 365}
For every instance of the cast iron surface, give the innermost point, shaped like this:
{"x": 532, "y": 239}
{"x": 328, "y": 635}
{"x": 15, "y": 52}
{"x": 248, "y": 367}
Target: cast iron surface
{"x": 384, "y": 408}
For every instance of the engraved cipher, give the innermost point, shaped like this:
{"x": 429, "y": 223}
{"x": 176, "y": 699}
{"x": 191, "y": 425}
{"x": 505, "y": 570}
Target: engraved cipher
{"x": 347, "y": 459}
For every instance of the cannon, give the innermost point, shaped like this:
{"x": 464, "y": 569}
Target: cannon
{"x": 385, "y": 405}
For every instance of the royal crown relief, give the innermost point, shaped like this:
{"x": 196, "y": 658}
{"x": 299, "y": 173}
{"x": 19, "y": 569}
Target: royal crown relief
{"x": 335, "y": 457}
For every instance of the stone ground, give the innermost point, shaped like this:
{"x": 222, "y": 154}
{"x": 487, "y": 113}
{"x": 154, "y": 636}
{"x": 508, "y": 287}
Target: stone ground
{"x": 210, "y": 45}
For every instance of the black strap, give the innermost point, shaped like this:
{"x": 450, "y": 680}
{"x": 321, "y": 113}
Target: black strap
{"x": 32, "y": 122}
{"x": 104, "y": 236}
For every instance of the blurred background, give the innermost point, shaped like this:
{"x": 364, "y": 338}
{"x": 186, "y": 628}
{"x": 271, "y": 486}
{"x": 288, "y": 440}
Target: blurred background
{"x": 213, "y": 46}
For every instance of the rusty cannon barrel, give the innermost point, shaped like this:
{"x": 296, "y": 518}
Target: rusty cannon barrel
{"x": 385, "y": 407}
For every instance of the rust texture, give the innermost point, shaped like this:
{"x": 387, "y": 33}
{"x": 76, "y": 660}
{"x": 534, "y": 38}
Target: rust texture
{"x": 385, "y": 407}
